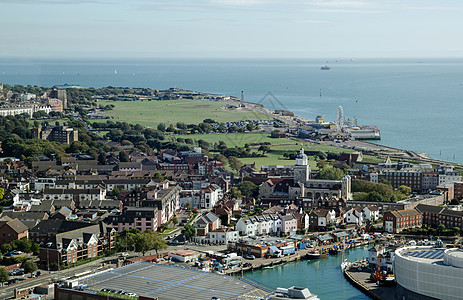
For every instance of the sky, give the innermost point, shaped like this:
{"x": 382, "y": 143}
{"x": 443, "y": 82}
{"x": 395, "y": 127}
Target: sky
{"x": 230, "y": 28}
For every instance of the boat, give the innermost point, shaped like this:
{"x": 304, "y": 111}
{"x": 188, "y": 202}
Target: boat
{"x": 325, "y": 67}
{"x": 345, "y": 265}
{"x": 339, "y": 249}
{"x": 293, "y": 292}
{"x": 313, "y": 255}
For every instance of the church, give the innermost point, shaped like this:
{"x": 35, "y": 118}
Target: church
{"x": 300, "y": 187}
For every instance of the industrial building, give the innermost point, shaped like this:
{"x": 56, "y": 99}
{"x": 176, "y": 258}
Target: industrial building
{"x": 429, "y": 273}
{"x": 167, "y": 282}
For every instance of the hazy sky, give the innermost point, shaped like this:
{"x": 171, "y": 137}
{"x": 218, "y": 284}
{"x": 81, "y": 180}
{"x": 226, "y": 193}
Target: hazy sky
{"x": 231, "y": 28}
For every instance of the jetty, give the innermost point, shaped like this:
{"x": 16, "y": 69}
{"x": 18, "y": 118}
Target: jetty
{"x": 358, "y": 274}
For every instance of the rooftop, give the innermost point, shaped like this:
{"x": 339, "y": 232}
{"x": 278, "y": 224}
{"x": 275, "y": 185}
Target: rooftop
{"x": 171, "y": 282}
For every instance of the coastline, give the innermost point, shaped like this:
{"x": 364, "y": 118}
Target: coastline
{"x": 418, "y": 157}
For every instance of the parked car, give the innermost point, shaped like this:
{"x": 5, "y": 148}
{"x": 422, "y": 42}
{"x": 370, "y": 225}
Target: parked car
{"x": 124, "y": 254}
{"x": 16, "y": 252}
{"x": 249, "y": 256}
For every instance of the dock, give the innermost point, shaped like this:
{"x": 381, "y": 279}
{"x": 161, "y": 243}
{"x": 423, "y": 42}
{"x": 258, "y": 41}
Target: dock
{"x": 361, "y": 280}
{"x": 260, "y": 263}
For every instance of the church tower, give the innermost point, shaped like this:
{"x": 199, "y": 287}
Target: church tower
{"x": 302, "y": 168}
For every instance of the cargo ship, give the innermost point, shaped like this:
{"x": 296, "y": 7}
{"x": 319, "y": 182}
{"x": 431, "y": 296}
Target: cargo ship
{"x": 364, "y": 132}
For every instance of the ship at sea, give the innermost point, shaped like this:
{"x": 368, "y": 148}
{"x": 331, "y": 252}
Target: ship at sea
{"x": 325, "y": 67}
{"x": 366, "y": 132}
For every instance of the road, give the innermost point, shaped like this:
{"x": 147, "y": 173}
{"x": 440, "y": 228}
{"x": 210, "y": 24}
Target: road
{"x": 7, "y": 292}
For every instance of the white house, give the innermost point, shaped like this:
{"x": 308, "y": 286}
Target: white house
{"x": 209, "y": 196}
{"x": 223, "y": 236}
{"x": 259, "y": 225}
{"x": 354, "y": 216}
{"x": 371, "y": 213}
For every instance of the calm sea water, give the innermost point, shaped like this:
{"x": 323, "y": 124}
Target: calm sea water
{"x": 416, "y": 103}
{"x": 323, "y": 277}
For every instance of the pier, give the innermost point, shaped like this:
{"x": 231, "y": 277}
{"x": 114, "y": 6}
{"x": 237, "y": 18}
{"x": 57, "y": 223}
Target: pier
{"x": 358, "y": 274}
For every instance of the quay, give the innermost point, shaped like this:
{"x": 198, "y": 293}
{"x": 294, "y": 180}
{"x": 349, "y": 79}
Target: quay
{"x": 358, "y": 274}
{"x": 260, "y": 263}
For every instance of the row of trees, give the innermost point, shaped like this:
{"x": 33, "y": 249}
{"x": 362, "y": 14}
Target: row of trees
{"x": 24, "y": 245}
{"x": 138, "y": 241}
{"x": 29, "y": 267}
{"x": 378, "y": 192}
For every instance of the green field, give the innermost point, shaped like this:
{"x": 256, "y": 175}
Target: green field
{"x": 240, "y": 139}
{"x": 274, "y": 160}
{"x": 277, "y": 146}
{"x": 151, "y": 113}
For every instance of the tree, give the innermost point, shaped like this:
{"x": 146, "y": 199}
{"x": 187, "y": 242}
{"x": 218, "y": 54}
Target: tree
{"x": 2, "y": 193}
{"x": 247, "y": 188}
{"x": 454, "y": 201}
{"x": 330, "y": 173}
{"x": 30, "y": 267}
{"x": 456, "y": 230}
{"x": 235, "y": 193}
{"x": 405, "y": 190}
{"x": 123, "y": 156}
{"x": 264, "y": 148}
{"x": 188, "y": 205}
{"x": 189, "y": 231}
{"x": 440, "y": 228}
{"x": 115, "y": 192}
{"x": 174, "y": 220}
{"x": 159, "y": 243}
{"x": 158, "y": 177}
{"x": 4, "y": 275}
{"x": 234, "y": 163}
{"x": 143, "y": 242}
{"x": 161, "y": 127}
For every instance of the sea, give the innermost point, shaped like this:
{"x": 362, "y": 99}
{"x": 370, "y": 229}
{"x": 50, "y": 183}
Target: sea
{"x": 416, "y": 103}
{"x": 323, "y": 277}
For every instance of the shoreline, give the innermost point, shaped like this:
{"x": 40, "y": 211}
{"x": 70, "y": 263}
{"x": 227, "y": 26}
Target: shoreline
{"x": 419, "y": 157}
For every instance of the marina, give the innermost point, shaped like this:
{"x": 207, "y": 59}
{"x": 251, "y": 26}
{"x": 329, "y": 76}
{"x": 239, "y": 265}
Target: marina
{"x": 322, "y": 276}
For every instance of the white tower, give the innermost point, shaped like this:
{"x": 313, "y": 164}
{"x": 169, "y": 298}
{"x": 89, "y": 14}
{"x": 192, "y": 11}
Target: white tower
{"x": 346, "y": 193}
{"x": 302, "y": 168}
{"x": 340, "y": 119}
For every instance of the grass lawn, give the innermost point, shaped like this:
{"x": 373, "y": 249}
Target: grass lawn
{"x": 274, "y": 160}
{"x": 240, "y": 139}
{"x": 151, "y": 113}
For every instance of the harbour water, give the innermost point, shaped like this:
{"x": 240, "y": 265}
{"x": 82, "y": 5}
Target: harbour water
{"x": 323, "y": 276}
{"x": 416, "y": 103}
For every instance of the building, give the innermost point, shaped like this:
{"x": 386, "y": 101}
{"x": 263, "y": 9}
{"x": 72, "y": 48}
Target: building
{"x": 11, "y": 230}
{"x": 436, "y": 215}
{"x": 354, "y": 216}
{"x": 66, "y": 242}
{"x": 397, "y": 220}
{"x": 408, "y": 177}
{"x": 184, "y": 255}
{"x": 206, "y": 223}
{"x": 370, "y": 213}
{"x": 288, "y": 224}
{"x": 141, "y": 218}
{"x": 60, "y": 134}
{"x": 259, "y": 225}
{"x": 223, "y": 236}
{"x": 59, "y": 94}
{"x": 320, "y": 219}
{"x": 156, "y": 281}
{"x": 428, "y": 273}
